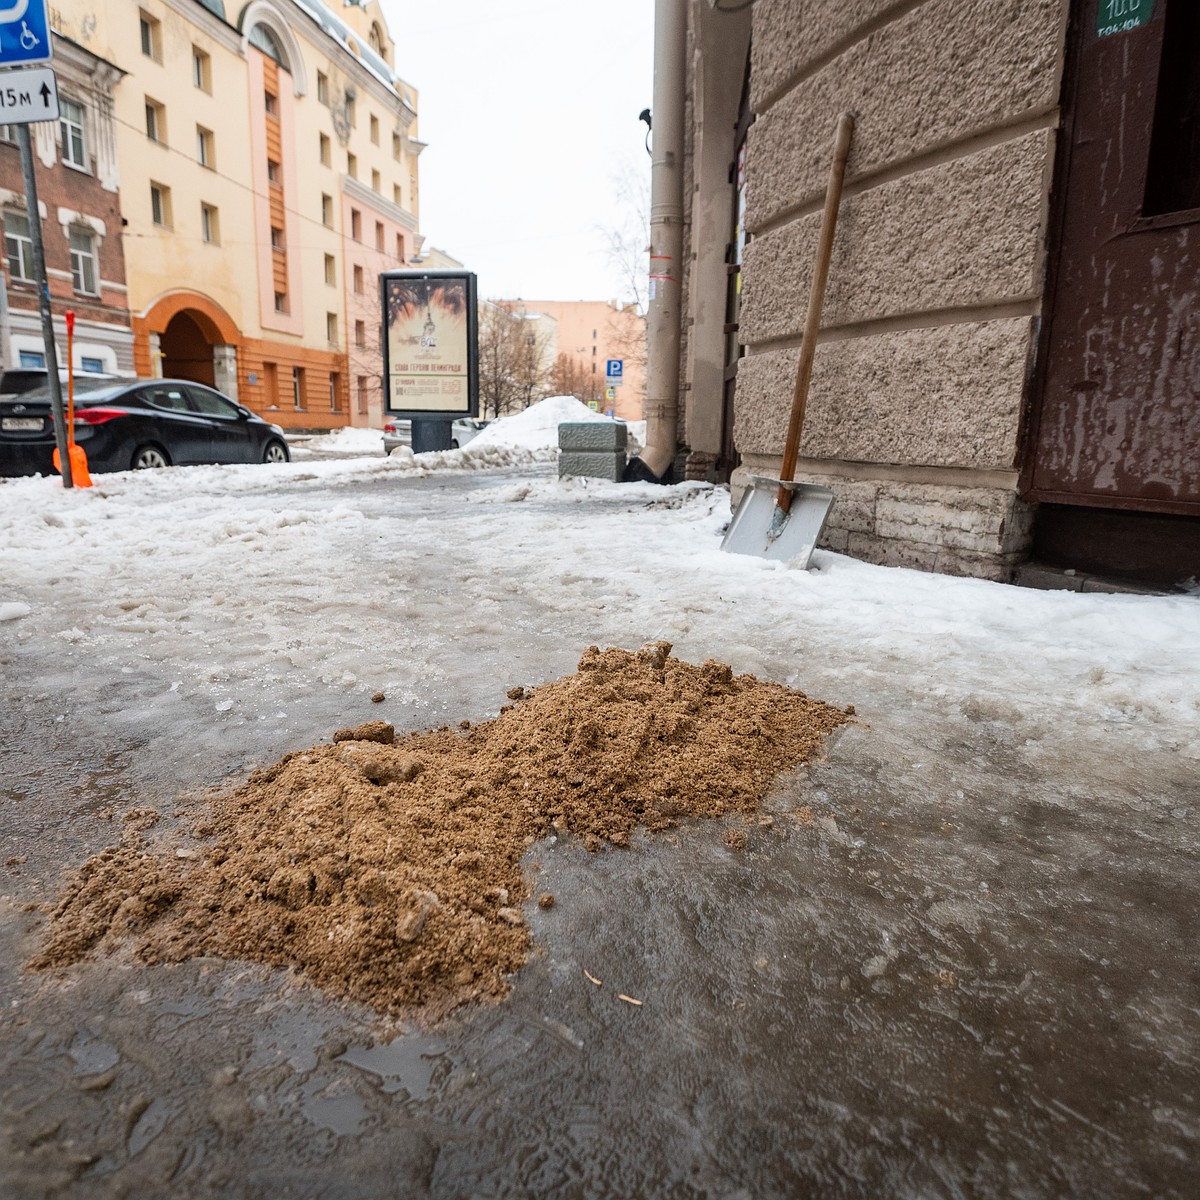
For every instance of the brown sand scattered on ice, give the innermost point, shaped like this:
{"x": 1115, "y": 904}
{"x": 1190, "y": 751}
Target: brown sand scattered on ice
{"x": 389, "y": 870}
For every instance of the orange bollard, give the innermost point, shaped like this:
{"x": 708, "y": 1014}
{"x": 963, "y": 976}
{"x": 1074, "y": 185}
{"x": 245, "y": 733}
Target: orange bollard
{"x": 79, "y": 462}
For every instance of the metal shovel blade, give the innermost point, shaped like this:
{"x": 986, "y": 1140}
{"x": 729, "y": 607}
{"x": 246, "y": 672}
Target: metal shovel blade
{"x": 759, "y": 527}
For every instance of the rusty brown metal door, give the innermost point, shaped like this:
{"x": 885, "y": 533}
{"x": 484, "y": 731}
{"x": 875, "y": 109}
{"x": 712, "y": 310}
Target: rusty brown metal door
{"x": 1117, "y": 417}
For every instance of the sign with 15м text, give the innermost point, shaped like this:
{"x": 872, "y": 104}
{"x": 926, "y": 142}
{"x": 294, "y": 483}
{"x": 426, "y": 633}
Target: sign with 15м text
{"x": 24, "y": 33}
{"x": 614, "y": 370}
{"x": 1119, "y": 16}
{"x": 28, "y": 96}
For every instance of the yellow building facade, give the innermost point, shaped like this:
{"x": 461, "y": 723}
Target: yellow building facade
{"x": 248, "y": 140}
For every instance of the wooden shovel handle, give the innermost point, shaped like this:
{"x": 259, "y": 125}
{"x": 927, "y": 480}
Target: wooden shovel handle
{"x": 816, "y": 297}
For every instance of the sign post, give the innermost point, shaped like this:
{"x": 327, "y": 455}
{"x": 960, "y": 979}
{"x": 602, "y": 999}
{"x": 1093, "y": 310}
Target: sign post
{"x": 39, "y": 274}
{"x": 26, "y": 97}
{"x": 614, "y": 372}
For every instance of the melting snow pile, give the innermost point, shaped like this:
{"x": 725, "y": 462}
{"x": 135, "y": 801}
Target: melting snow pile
{"x": 349, "y": 441}
{"x": 535, "y": 428}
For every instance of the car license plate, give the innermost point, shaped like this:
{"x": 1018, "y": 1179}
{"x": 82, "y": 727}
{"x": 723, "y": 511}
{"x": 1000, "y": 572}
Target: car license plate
{"x": 21, "y": 424}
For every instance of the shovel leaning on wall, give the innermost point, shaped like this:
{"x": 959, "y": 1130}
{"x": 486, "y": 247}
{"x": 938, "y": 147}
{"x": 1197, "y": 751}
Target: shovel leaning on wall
{"x": 779, "y": 518}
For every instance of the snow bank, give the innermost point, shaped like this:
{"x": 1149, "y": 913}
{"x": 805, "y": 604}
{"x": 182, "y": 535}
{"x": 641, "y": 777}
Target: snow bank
{"x": 536, "y": 428}
{"x": 347, "y": 440}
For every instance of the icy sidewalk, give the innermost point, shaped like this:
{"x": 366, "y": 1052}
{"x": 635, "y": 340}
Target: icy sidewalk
{"x": 249, "y": 588}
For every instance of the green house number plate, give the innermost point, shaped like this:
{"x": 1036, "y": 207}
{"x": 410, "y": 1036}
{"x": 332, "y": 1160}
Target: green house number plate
{"x": 1118, "y": 16}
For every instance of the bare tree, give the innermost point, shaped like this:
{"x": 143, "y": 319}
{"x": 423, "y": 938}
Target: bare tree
{"x": 513, "y": 373}
{"x": 628, "y": 234}
{"x": 571, "y": 377}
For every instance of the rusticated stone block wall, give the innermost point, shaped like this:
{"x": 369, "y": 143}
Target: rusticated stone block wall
{"x": 934, "y": 295}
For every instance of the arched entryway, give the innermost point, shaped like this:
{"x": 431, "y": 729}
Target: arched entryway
{"x": 186, "y": 352}
{"x": 184, "y": 335}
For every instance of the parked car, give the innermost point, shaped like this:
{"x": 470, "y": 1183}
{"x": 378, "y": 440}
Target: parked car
{"x": 399, "y": 433}
{"x": 134, "y": 424}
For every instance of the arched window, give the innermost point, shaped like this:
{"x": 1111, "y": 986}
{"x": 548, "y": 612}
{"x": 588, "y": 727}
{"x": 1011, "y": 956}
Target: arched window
{"x": 263, "y": 39}
{"x": 376, "y": 39}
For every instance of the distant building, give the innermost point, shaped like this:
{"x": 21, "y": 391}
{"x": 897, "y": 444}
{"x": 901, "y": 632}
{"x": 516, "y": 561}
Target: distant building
{"x": 588, "y": 334}
{"x": 78, "y": 194}
{"x": 268, "y": 165}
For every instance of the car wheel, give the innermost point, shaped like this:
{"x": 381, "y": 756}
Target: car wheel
{"x": 147, "y": 457}
{"x": 276, "y": 452}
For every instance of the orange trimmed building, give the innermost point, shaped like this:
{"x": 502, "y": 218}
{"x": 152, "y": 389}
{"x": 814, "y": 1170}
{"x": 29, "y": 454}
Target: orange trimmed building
{"x": 268, "y": 162}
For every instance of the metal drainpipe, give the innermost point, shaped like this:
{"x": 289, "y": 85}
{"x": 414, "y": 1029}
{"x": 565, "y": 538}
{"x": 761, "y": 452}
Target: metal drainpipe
{"x": 664, "y": 316}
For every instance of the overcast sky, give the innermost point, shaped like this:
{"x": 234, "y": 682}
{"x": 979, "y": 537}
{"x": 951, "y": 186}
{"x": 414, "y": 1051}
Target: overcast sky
{"x": 530, "y": 109}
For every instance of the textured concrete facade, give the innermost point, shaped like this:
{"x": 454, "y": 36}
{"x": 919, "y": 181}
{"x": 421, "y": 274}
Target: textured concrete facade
{"x": 932, "y": 309}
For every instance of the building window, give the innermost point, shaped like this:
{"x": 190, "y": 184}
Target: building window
{"x": 70, "y": 122}
{"x": 281, "y": 306}
{"x": 374, "y": 129}
{"x": 356, "y": 224}
{"x": 379, "y": 235}
{"x": 363, "y": 393}
{"x": 93, "y": 366}
{"x": 83, "y": 262}
{"x": 151, "y": 36}
{"x": 396, "y": 146}
{"x": 271, "y": 103}
{"x": 8, "y": 133}
{"x": 201, "y": 70}
{"x": 326, "y": 151}
{"x": 397, "y": 196}
{"x": 360, "y": 334}
{"x": 330, "y": 270}
{"x": 156, "y": 121}
{"x": 210, "y": 225}
{"x": 327, "y": 210}
{"x": 358, "y": 280}
{"x": 400, "y": 246}
{"x": 298, "y": 388}
{"x": 351, "y": 112}
{"x": 323, "y": 89}
{"x": 18, "y": 246}
{"x": 352, "y": 166}
{"x": 331, "y": 335}
{"x": 376, "y": 181}
{"x": 160, "y": 205}
{"x": 31, "y": 358}
{"x": 261, "y": 38}
{"x": 204, "y": 147}
{"x": 273, "y": 171}
{"x": 276, "y": 238}
{"x": 334, "y": 387}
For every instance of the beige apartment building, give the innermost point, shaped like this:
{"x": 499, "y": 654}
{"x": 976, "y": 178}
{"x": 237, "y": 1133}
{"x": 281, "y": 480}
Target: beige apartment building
{"x": 268, "y": 159}
{"x": 1006, "y": 366}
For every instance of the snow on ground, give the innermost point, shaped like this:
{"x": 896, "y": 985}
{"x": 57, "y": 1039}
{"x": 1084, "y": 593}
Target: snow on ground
{"x": 536, "y": 427}
{"x": 347, "y": 440}
{"x": 247, "y": 588}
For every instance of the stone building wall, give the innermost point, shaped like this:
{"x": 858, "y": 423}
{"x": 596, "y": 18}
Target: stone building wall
{"x": 934, "y": 295}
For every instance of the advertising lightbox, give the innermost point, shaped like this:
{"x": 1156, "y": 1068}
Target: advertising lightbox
{"x": 430, "y": 344}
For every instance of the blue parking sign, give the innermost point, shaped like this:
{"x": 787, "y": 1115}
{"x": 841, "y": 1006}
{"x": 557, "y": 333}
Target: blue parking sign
{"x": 615, "y": 369}
{"x": 24, "y": 33}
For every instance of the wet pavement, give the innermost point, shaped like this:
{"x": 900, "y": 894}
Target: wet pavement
{"x": 958, "y": 957}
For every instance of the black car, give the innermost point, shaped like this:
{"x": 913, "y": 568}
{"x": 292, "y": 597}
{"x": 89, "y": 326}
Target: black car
{"x": 134, "y": 424}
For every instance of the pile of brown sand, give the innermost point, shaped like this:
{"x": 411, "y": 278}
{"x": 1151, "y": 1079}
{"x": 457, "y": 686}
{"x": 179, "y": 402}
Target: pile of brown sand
{"x": 388, "y": 870}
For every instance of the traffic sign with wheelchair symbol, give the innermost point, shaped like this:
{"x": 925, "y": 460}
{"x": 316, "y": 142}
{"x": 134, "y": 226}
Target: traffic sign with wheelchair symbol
{"x": 24, "y": 33}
